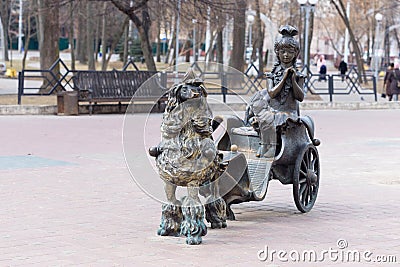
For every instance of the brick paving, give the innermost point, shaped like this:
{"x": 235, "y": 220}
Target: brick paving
{"x": 71, "y": 201}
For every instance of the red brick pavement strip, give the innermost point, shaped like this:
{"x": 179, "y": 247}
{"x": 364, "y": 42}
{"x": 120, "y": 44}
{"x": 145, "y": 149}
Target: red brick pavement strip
{"x": 90, "y": 212}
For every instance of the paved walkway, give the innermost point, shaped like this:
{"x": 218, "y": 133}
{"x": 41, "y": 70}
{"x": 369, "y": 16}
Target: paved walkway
{"x": 67, "y": 199}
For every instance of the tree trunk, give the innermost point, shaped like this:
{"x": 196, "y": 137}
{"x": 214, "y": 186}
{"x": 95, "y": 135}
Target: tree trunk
{"x": 387, "y": 46}
{"x": 187, "y": 49}
{"x": 145, "y": 44}
{"x": 368, "y": 47}
{"x": 48, "y": 42}
{"x": 310, "y": 36}
{"x": 210, "y": 51}
{"x": 5, "y": 17}
{"x": 103, "y": 39}
{"x": 171, "y": 48}
{"x": 142, "y": 25}
{"x": 397, "y": 39}
{"x": 90, "y": 37}
{"x": 260, "y": 39}
{"x": 166, "y": 52}
{"x": 97, "y": 36}
{"x": 116, "y": 39}
{"x": 71, "y": 35}
{"x": 220, "y": 46}
{"x": 342, "y": 13}
{"x": 237, "y": 58}
{"x": 158, "y": 49}
{"x": 81, "y": 42}
{"x": 302, "y": 28}
{"x": 126, "y": 45}
{"x": 27, "y": 34}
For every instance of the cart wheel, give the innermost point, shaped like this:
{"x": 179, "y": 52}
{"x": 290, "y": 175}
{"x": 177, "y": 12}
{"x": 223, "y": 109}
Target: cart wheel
{"x": 306, "y": 178}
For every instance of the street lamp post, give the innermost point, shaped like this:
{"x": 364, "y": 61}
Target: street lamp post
{"x": 194, "y": 21}
{"x": 308, "y": 6}
{"x": 250, "y": 21}
{"x": 20, "y": 27}
{"x": 378, "y": 18}
{"x": 178, "y": 20}
{"x": 347, "y": 36}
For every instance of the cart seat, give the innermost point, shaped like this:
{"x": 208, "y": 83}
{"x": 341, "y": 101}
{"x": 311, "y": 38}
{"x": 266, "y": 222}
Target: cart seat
{"x": 309, "y": 124}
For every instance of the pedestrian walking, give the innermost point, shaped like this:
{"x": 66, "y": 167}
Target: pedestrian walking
{"x": 321, "y": 65}
{"x": 343, "y": 69}
{"x": 315, "y": 60}
{"x": 395, "y": 82}
{"x": 321, "y": 61}
{"x": 387, "y": 91}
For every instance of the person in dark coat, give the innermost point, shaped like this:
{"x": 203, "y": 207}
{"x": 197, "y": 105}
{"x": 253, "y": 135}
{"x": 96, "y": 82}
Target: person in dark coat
{"x": 394, "y": 77}
{"x": 386, "y": 82}
{"x": 343, "y": 69}
{"x": 322, "y": 73}
{"x": 321, "y": 65}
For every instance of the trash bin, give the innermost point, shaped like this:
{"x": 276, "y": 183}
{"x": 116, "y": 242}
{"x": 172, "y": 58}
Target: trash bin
{"x": 67, "y": 103}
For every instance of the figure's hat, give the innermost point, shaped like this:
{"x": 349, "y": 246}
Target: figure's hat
{"x": 288, "y": 31}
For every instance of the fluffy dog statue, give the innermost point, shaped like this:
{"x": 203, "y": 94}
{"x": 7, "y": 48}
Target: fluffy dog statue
{"x": 187, "y": 157}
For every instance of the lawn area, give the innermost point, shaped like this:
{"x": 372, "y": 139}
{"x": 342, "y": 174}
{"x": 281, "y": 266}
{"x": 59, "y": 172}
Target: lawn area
{"x": 28, "y": 100}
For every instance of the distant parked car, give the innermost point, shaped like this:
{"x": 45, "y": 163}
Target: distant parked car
{"x": 3, "y": 68}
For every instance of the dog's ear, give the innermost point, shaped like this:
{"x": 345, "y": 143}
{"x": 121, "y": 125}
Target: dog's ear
{"x": 173, "y": 97}
{"x": 171, "y": 90}
{"x": 177, "y": 93}
{"x": 203, "y": 90}
{"x": 174, "y": 91}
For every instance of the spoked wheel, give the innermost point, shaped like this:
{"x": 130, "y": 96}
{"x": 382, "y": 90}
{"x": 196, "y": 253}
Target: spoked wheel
{"x": 306, "y": 178}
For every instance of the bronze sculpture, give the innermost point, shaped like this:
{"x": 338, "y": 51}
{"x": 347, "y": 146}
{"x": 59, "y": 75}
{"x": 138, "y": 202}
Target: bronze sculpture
{"x": 277, "y": 142}
{"x": 271, "y": 107}
{"x": 272, "y": 142}
{"x": 188, "y": 157}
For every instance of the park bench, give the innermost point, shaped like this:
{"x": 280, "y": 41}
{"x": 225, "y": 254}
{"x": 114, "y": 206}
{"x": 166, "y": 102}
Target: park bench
{"x": 119, "y": 86}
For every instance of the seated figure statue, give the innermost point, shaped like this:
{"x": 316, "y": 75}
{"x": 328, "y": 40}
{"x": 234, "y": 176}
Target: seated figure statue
{"x": 271, "y": 107}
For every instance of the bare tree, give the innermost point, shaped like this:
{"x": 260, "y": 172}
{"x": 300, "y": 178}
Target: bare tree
{"x": 239, "y": 21}
{"x": 5, "y": 13}
{"x": 113, "y": 37}
{"x": 139, "y": 14}
{"x": 81, "y": 33}
{"x": 259, "y": 42}
{"x": 30, "y": 9}
{"x": 90, "y": 35}
{"x": 49, "y": 29}
{"x": 341, "y": 9}
{"x": 215, "y": 12}
{"x": 103, "y": 38}
{"x": 72, "y": 33}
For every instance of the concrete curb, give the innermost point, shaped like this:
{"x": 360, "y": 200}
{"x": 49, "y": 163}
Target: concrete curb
{"x": 28, "y": 110}
{"x": 309, "y": 105}
{"x": 320, "y": 105}
{"x": 349, "y": 105}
